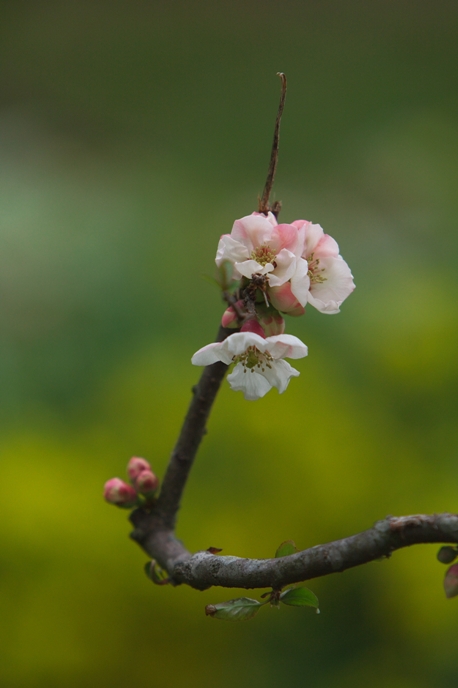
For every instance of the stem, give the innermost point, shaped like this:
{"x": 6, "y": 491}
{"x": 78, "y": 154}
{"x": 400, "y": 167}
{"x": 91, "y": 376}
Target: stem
{"x": 264, "y": 205}
{"x": 189, "y": 439}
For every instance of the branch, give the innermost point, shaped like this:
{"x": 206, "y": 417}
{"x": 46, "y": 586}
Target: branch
{"x": 264, "y": 205}
{"x": 202, "y": 570}
{"x": 154, "y": 526}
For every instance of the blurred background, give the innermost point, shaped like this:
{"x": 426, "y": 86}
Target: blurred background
{"x": 132, "y": 135}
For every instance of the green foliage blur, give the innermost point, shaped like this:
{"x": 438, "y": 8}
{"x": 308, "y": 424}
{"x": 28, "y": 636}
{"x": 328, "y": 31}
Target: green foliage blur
{"x": 131, "y": 137}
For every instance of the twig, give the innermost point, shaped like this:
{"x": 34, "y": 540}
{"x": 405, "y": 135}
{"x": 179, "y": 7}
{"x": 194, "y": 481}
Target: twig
{"x": 264, "y": 205}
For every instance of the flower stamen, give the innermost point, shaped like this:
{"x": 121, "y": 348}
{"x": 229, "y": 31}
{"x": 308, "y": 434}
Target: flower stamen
{"x": 263, "y": 255}
{"x": 253, "y": 358}
{"x": 314, "y": 270}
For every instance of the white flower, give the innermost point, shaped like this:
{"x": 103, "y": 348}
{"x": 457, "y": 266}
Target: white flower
{"x": 329, "y": 279}
{"x": 258, "y": 245}
{"x": 259, "y": 365}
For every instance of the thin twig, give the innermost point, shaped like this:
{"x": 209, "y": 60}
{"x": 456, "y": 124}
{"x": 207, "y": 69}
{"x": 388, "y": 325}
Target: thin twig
{"x": 264, "y": 205}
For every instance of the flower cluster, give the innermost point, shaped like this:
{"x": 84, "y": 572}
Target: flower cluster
{"x": 278, "y": 269}
{"x": 142, "y": 488}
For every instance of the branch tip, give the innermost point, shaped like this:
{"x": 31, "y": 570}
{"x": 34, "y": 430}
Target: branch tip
{"x": 264, "y": 205}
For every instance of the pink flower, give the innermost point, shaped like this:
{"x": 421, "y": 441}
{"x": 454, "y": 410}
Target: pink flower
{"x": 117, "y": 492}
{"x": 259, "y": 363}
{"x": 258, "y": 245}
{"x": 330, "y": 278}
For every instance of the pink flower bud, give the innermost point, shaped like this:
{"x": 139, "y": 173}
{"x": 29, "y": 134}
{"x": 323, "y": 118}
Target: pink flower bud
{"x": 229, "y": 318}
{"x": 136, "y": 466}
{"x": 283, "y": 299}
{"x": 252, "y": 325}
{"x": 451, "y": 581}
{"x": 116, "y": 491}
{"x": 146, "y": 483}
{"x": 272, "y": 324}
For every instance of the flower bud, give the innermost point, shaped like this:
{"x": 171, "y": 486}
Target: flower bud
{"x": 117, "y": 492}
{"x": 136, "y": 466}
{"x": 252, "y": 325}
{"x": 451, "y": 581}
{"x": 230, "y": 318}
{"x": 447, "y": 554}
{"x": 146, "y": 483}
{"x": 272, "y": 324}
{"x": 283, "y": 299}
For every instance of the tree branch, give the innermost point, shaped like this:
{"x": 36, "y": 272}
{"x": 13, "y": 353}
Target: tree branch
{"x": 203, "y": 569}
{"x": 154, "y": 526}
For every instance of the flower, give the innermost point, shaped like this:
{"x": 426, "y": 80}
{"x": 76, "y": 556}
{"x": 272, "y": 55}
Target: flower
{"x": 330, "y": 277}
{"x": 258, "y": 245}
{"x": 259, "y": 361}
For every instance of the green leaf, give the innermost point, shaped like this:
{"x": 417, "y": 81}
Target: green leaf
{"x": 286, "y": 548}
{"x": 299, "y": 597}
{"x": 240, "y": 609}
{"x": 212, "y": 280}
{"x": 225, "y": 272}
{"x": 156, "y": 573}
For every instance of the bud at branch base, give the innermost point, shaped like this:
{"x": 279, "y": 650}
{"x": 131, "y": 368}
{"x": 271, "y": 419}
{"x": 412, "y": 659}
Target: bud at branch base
{"x": 451, "y": 581}
{"x": 135, "y": 466}
{"x": 146, "y": 483}
{"x": 117, "y": 492}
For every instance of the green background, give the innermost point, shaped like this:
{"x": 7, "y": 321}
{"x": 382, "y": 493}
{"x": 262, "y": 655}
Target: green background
{"x": 132, "y": 135}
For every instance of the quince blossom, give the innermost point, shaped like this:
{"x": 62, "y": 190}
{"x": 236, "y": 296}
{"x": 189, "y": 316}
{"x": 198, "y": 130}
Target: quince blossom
{"x": 259, "y": 361}
{"x": 330, "y": 277}
{"x": 258, "y": 245}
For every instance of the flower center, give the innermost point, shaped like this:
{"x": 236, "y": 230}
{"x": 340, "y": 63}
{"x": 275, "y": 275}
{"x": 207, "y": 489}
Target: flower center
{"x": 263, "y": 255}
{"x": 314, "y": 270}
{"x": 253, "y": 358}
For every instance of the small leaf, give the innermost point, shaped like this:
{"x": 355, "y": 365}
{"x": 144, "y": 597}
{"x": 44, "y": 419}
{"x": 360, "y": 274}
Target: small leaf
{"x": 156, "y": 573}
{"x": 299, "y": 597}
{"x": 225, "y": 272}
{"x": 286, "y": 548}
{"x": 240, "y": 609}
{"x": 215, "y": 550}
{"x": 211, "y": 280}
{"x": 447, "y": 554}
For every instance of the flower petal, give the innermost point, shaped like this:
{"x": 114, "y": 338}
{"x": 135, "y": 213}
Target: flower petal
{"x": 230, "y": 249}
{"x": 253, "y": 230}
{"x": 327, "y": 296}
{"x": 238, "y": 343}
{"x": 210, "y": 354}
{"x": 280, "y": 374}
{"x": 286, "y": 265}
{"x": 251, "y": 267}
{"x": 290, "y": 237}
{"x": 285, "y": 346}
{"x": 300, "y": 281}
{"x": 313, "y": 235}
{"x": 252, "y": 384}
